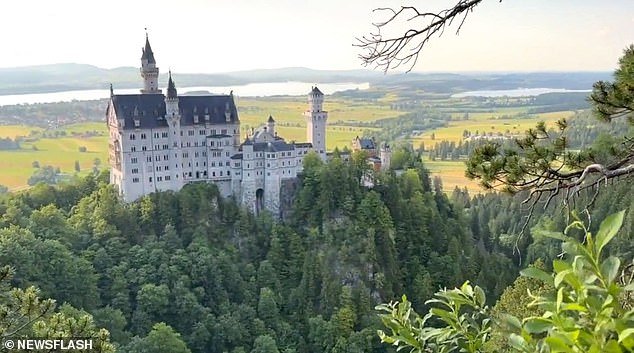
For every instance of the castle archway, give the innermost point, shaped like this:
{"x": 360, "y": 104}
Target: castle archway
{"x": 259, "y": 200}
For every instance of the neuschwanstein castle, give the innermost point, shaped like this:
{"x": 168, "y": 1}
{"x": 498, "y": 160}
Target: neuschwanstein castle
{"x": 161, "y": 142}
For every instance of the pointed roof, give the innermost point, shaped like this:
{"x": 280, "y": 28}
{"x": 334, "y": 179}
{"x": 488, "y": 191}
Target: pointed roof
{"x": 147, "y": 51}
{"x": 316, "y": 91}
{"x": 271, "y": 120}
{"x": 171, "y": 87}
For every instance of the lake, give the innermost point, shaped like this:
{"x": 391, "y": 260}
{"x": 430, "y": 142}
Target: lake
{"x": 518, "y": 92}
{"x": 249, "y": 90}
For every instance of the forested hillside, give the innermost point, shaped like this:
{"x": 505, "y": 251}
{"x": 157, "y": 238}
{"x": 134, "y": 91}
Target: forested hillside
{"x": 223, "y": 280}
{"x": 230, "y": 282}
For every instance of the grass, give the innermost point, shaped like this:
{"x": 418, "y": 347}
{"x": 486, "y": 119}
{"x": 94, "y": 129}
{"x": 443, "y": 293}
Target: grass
{"x": 487, "y": 122}
{"x": 13, "y": 131}
{"x": 452, "y": 175}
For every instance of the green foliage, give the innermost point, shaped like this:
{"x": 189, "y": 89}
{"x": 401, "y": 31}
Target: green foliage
{"x": 462, "y": 317}
{"x": 24, "y": 314}
{"x": 583, "y": 311}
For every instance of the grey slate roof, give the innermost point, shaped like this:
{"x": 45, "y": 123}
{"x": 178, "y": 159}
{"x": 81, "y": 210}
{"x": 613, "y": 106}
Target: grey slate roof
{"x": 316, "y": 90}
{"x": 303, "y": 144}
{"x": 151, "y": 109}
{"x": 366, "y": 144}
{"x": 275, "y": 146}
{"x": 147, "y": 52}
{"x": 171, "y": 88}
{"x": 218, "y": 136}
{"x": 237, "y": 156}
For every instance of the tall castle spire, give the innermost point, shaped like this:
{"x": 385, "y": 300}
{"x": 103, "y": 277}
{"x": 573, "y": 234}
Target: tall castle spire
{"x": 149, "y": 71}
{"x": 147, "y": 51}
{"x": 171, "y": 87}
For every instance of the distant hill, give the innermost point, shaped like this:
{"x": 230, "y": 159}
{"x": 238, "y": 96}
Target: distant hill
{"x": 64, "y": 77}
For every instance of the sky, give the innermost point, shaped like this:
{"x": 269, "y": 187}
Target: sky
{"x": 214, "y": 36}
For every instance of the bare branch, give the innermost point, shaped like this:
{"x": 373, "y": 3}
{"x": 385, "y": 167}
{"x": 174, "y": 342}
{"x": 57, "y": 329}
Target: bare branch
{"x": 390, "y": 52}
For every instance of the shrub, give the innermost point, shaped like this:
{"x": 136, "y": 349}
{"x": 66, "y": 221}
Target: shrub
{"x": 584, "y": 312}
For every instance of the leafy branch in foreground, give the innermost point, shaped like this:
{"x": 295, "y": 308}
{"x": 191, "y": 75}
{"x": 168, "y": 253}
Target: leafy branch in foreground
{"x": 586, "y": 310}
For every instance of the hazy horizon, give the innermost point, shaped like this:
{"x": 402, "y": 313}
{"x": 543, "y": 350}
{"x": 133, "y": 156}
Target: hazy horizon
{"x": 197, "y": 36}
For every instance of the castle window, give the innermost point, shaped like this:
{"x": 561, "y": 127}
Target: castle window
{"x": 157, "y": 158}
{"x": 228, "y": 172}
{"x": 212, "y": 144}
{"x": 164, "y": 134}
{"x": 132, "y": 137}
{"x": 166, "y": 157}
{"x": 166, "y": 147}
{"x": 159, "y": 178}
{"x": 175, "y": 144}
{"x": 227, "y": 163}
{"x": 227, "y": 154}
{"x": 167, "y": 167}
{"x": 190, "y": 133}
{"x": 181, "y": 132}
{"x": 143, "y": 136}
{"x": 201, "y": 132}
{"x": 185, "y": 155}
{"x": 213, "y": 164}
{"x": 167, "y": 177}
{"x": 248, "y": 174}
{"x": 221, "y": 173}
{"x": 134, "y": 160}
{"x": 204, "y": 164}
{"x": 204, "y": 153}
{"x": 135, "y": 171}
{"x": 189, "y": 144}
{"x": 135, "y": 180}
{"x": 133, "y": 149}
{"x": 268, "y": 165}
{"x": 224, "y": 131}
{"x": 213, "y": 174}
{"x": 195, "y": 143}
{"x": 149, "y": 159}
{"x": 156, "y": 135}
{"x": 196, "y": 154}
{"x": 150, "y": 179}
{"x": 143, "y": 148}
{"x": 269, "y": 173}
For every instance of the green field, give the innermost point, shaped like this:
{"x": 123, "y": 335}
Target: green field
{"x": 452, "y": 174}
{"x": 487, "y": 122}
{"x": 13, "y": 131}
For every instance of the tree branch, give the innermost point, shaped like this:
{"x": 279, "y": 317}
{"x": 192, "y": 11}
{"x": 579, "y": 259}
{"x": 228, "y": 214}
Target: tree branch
{"x": 390, "y": 52}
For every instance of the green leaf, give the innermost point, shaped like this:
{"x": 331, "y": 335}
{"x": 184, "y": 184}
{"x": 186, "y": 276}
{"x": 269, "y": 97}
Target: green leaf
{"x": 608, "y": 229}
{"x": 625, "y": 334}
{"x": 480, "y": 296}
{"x": 556, "y": 344}
{"x": 536, "y": 273}
{"x": 518, "y": 342}
{"x": 560, "y": 277}
{"x": 610, "y": 268}
{"x": 511, "y": 321}
{"x": 537, "y": 325}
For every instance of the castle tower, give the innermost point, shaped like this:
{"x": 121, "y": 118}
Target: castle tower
{"x": 149, "y": 71}
{"x": 173, "y": 118}
{"x": 316, "y": 119}
{"x": 270, "y": 125}
{"x": 385, "y": 153}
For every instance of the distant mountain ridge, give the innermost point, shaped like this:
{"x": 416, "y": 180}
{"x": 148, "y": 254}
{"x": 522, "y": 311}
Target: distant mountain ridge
{"x": 70, "y": 76}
